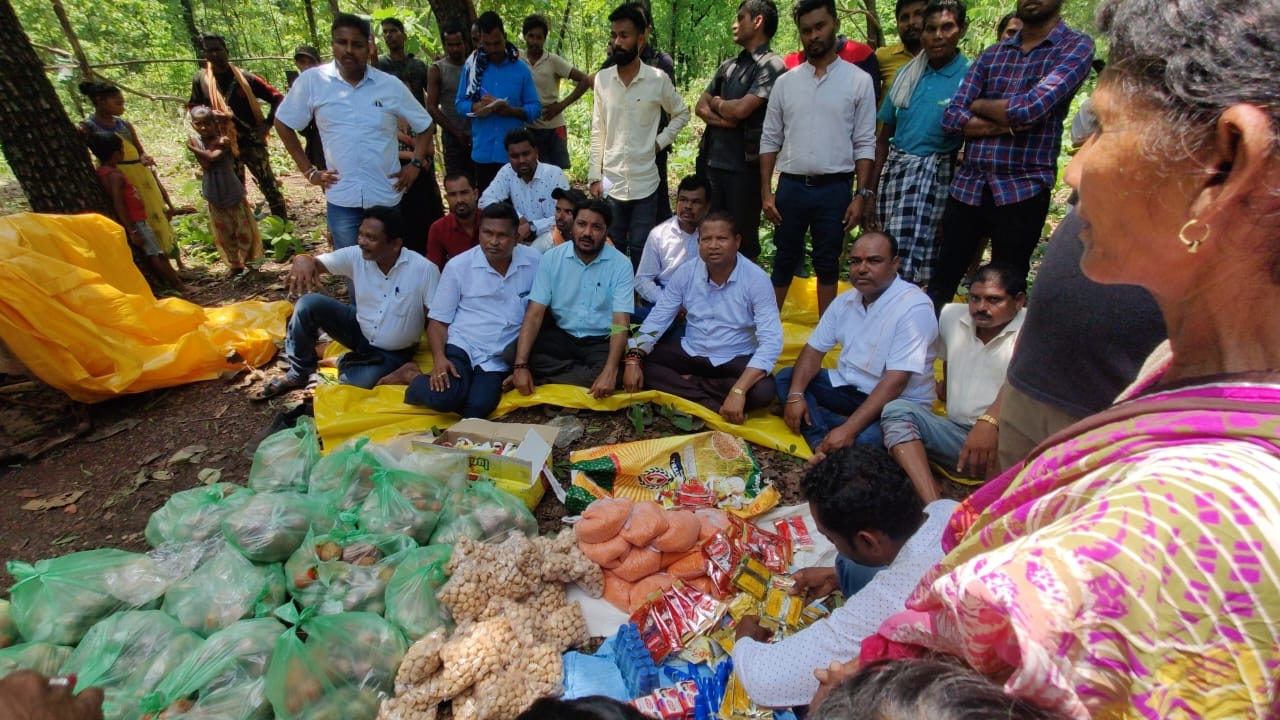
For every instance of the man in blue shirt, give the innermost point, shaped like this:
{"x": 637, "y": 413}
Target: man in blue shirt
{"x": 914, "y": 157}
{"x": 497, "y": 92}
{"x": 734, "y": 333}
{"x": 589, "y": 291}
{"x": 1010, "y": 108}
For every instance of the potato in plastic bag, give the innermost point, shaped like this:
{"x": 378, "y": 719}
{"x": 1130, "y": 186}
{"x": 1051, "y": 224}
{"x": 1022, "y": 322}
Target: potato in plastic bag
{"x": 224, "y": 590}
{"x": 58, "y": 599}
{"x": 347, "y": 662}
{"x": 283, "y": 461}
{"x": 401, "y": 502}
{"x": 224, "y": 678}
{"x": 344, "y": 477}
{"x": 411, "y": 594}
{"x": 8, "y": 629}
{"x": 480, "y": 511}
{"x": 195, "y": 514}
{"x": 127, "y": 655}
{"x": 271, "y": 526}
{"x": 42, "y": 657}
{"x": 345, "y": 570}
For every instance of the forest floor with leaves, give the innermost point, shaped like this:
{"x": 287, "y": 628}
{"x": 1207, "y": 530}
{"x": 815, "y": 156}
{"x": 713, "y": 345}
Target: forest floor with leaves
{"x": 77, "y": 477}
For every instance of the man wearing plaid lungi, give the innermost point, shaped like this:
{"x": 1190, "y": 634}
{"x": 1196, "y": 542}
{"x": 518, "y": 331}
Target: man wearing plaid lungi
{"x": 914, "y": 157}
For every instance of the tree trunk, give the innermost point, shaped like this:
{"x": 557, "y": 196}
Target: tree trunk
{"x": 333, "y": 8}
{"x": 460, "y": 11}
{"x": 40, "y": 142}
{"x": 564, "y": 27}
{"x": 311, "y": 21}
{"x": 82, "y": 60}
{"x": 189, "y": 23}
{"x": 875, "y": 35}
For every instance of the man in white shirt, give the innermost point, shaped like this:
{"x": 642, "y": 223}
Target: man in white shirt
{"x": 819, "y": 132}
{"x": 673, "y": 242}
{"x": 475, "y": 313}
{"x": 885, "y": 329}
{"x": 356, "y": 109}
{"x": 976, "y": 344}
{"x": 860, "y": 501}
{"x": 733, "y": 336}
{"x": 627, "y": 109}
{"x": 391, "y": 287}
{"x": 527, "y": 184}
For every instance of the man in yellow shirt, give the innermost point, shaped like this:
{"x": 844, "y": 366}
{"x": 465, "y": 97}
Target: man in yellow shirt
{"x": 910, "y": 17}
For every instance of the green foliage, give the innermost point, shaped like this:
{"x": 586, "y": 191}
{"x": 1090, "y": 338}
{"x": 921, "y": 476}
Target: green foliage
{"x": 278, "y": 235}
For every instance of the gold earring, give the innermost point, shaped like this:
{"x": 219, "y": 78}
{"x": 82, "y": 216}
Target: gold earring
{"x": 1193, "y": 245}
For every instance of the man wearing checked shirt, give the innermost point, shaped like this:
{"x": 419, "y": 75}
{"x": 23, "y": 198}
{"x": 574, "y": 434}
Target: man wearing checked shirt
{"x": 1010, "y": 109}
{"x": 575, "y": 328}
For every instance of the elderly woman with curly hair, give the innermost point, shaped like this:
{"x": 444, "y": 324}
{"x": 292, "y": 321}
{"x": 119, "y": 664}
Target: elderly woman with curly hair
{"x": 1131, "y": 567}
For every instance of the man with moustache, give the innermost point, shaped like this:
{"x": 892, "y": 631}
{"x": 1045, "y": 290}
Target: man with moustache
{"x": 975, "y": 344}
{"x": 733, "y": 107}
{"x": 733, "y": 336}
{"x": 630, "y": 98}
{"x": 241, "y": 91}
{"x": 1010, "y": 110}
{"x": 455, "y": 233}
{"x": 819, "y": 133}
{"x": 442, "y": 91}
{"x": 567, "y": 201}
{"x": 390, "y": 287}
{"x": 548, "y": 68}
{"x": 498, "y": 94}
{"x": 885, "y": 328}
{"x": 575, "y": 328}
{"x": 909, "y": 15}
{"x": 527, "y": 184}
{"x": 357, "y": 109}
{"x": 914, "y": 157}
{"x": 475, "y": 313}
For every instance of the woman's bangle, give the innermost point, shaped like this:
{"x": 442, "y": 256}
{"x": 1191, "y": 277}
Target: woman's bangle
{"x": 312, "y": 172}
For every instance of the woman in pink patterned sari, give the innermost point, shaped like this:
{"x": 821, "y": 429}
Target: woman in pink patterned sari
{"x": 1131, "y": 567}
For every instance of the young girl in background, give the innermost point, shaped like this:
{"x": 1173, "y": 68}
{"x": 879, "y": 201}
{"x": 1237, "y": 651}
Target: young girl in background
{"x": 108, "y": 105}
{"x": 235, "y": 230}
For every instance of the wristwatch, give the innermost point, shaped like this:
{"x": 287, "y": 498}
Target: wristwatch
{"x": 866, "y": 193}
{"x": 416, "y": 163}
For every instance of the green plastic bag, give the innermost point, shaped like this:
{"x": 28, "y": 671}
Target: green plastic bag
{"x": 42, "y": 657}
{"x": 401, "y": 502}
{"x": 195, "y": 514}
{"x": 347, "y": 662}
{"x": 345, "y": 570}
{"x": 225, "y": 678}
{"x": 400, "y": 453}
{"x": 57, "y": 600}
{"x": 127, "y": 655}
{"x": 223, "y": 590}
{"x": 481, "y": 511}
{"x": 284, "y": 460}
{"x": 411, "y": 594}
{"x": 270, "y": 526}
{"x": 344, "y": 477}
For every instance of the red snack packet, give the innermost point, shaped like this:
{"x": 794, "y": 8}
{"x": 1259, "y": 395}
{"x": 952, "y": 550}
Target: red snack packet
{"x": 658, "y": 629}
{"x": 648, "y": 707}
{"x": 763, "y": 545}
{"x": 669, "y": 704}
{"x": 800, "y": 537}
{"x": 783, "y": 528}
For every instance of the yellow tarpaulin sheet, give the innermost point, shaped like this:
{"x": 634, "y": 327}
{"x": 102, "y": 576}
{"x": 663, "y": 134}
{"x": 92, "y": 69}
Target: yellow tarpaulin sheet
{"x": 78, "y": 313}
{"x": 344, "y": 412}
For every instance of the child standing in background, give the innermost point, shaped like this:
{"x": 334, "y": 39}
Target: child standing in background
{"x": 109, "y": 149}
{"x": 235, "y": 230}
{"x": 108, "y": 106}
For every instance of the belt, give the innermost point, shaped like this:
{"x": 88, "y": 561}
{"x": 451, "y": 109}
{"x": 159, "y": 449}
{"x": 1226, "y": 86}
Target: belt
{"x": 816, "y": 180}
{"x": 129, "y": 162}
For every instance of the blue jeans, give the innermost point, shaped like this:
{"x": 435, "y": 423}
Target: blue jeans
{"x": 475, "y": 393}
{"x": 632, "y": 221}
{"x": 903, "y": 421}
{"x": 363, "y": 366}
{"x": 674, "y": 333}
{"x": 818, "y": 210}
{"x": 344, "y": 224}
{"x": 829, "y": 407}
{"x": 852, "y": 576}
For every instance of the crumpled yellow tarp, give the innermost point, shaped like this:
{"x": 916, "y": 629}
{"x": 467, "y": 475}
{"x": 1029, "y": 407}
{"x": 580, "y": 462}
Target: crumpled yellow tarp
{"x": 78, "y": 313}
{"x": 344, "y": 412}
